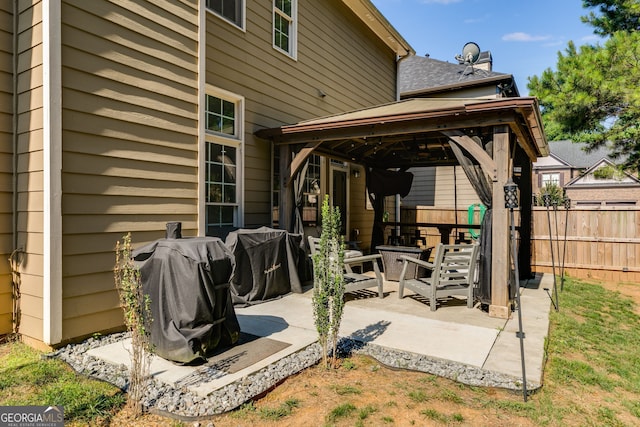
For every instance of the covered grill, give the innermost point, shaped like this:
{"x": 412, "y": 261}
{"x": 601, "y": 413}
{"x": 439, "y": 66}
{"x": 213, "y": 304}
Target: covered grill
{"x": 188, "y": 284}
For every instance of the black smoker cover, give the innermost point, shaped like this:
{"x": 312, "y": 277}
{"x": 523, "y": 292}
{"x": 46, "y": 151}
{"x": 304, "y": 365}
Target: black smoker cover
{"x": 188, "y": 283}
{"x": 266, "y": 264}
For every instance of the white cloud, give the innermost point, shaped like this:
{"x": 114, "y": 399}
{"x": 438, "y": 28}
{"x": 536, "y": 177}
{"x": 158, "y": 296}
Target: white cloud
{"x": 523, "y": 37}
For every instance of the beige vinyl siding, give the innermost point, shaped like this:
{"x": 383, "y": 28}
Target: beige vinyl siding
{"x": 6, "y": 162}
{"x": 130, "y": 147}
{"x": 423, "y": 189}
{"x": 453, "y": 191}
{"x": 437, "y": 186}
{"x": 336, "y": 54}
{"x": 29, "y": 173}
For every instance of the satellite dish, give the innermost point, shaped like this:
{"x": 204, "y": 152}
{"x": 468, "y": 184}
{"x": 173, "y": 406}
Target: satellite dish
{"x": 470, "y": 54}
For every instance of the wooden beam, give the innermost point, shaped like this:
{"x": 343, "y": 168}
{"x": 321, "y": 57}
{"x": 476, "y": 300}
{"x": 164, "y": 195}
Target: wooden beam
{"x": 526, "y": 143}
{"x": 487, "y": 164}
{"x": 299, "y": 160}
{"x": 500, "y": 264}
{"x": 287, "y": 203}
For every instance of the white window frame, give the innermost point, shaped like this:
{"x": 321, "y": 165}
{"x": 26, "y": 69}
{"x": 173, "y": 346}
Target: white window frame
{"x": 237, "y": 141}
{"x": 293, "y": 29}
{"x": 550, "y": 178}
{"x": 243, "y": 10}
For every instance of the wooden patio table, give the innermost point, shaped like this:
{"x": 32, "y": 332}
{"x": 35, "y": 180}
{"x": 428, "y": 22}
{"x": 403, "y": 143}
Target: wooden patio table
{"x": 443, "y": 228}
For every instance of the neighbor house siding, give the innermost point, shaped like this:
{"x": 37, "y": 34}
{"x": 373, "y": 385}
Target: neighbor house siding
{"x": 6, "y": 162}
{"x": 604, "y": 195}
{"x": 566, "y": 175}
{"x": 336, "y": 54}
{"x": 438, "y": 186}
{"x": 130, "y": 141}
{"x": 454, "y": 189}
{"x": 423, "y": 188}
{"x": 30, "y": 171}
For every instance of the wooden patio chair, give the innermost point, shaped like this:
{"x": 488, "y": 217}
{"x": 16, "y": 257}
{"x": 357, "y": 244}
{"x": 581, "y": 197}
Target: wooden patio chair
{"x": 355, "y": 281}
{"x": 452, "y": 273}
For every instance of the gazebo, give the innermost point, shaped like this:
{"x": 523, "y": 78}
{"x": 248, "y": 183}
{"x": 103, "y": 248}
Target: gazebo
{"x": 489, "y": 138}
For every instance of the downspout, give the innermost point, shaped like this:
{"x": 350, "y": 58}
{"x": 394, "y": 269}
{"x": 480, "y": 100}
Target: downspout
{"x": 15, "y": 128}
{"x": 399, "y": 59}
{"x": 202, "y": 90}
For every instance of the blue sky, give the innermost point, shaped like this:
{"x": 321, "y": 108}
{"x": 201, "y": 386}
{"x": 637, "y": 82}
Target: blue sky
{"x": 523, "y": 36}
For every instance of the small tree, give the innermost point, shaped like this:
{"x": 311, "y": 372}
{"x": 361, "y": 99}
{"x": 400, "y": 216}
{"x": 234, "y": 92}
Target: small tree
{"x": 328, "y": 282}
{"x": 555, "y": 192}
{"x": 137, "y": 318}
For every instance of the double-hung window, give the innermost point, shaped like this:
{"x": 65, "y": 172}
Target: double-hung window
{"x": 231, "y": 10}
{"x": 222, "y": 162}
{"x": 285, "y": 26}
{"x": 550, "y": 179}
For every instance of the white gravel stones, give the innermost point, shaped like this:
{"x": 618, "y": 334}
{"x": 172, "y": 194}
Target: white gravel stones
{"x": 179, "y": 401}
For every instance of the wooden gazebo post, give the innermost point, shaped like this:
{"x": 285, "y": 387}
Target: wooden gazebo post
{"x": 500, "y": 244}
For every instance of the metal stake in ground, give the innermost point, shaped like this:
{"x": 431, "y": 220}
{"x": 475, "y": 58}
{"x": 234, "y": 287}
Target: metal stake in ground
{"x": 554, "y": 203}
{"x": 567, "y": 206}
{"x": 546, "y": 198}
{"x": 511, "y": 202}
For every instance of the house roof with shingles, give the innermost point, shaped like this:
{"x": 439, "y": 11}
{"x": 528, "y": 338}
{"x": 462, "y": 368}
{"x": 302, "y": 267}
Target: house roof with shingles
{"x": 589, "y": 179}
{"x": 420, "y": 74}
{"x": 573, "y": 153}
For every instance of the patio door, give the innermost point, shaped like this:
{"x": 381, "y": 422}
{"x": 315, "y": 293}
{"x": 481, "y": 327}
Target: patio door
{"x": 339, "y": 185}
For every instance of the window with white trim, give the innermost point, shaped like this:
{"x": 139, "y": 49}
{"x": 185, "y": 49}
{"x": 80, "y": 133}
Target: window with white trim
{"x": 222, "y": 163}
{"x": 230, "y": 10}
{"x": 285, "y": 26}
{"x": 550, "y": 178}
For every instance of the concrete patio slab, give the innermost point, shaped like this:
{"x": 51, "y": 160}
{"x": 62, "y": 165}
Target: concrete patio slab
{"x": 452, "y": 332}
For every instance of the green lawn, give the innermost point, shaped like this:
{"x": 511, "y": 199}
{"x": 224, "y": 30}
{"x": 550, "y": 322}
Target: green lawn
{"x": 591, "y": 378}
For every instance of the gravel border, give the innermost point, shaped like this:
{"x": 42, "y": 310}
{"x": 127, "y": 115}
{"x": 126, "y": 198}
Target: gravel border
{"x": 178, "y": 402}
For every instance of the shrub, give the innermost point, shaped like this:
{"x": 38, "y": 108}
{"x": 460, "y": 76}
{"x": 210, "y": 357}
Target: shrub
{"x": 328, "y": 282}
{"x": 137, "y": 319}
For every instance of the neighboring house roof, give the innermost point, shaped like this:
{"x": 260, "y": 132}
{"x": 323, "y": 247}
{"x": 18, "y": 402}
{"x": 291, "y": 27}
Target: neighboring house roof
{"x": 373, "y": 19}
{"x": 551, "y": 162}
{"x": 588, "y": 178}
{"x": 419, "y": 74}
{"x": 572, "y": 153}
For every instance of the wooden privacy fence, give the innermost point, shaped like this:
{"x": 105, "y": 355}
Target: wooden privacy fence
{"x": 602, "y": 242}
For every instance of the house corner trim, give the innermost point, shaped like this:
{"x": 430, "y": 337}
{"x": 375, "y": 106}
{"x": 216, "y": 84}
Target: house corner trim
{"x": 52, "y": 153}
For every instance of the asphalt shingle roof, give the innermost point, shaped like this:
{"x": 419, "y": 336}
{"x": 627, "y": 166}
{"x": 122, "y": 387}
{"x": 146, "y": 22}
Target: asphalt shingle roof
{"x": 419, "y": 72}
{"x": 573, "y": 153}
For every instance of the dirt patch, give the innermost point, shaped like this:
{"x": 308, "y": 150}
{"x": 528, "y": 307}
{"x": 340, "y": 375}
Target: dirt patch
{"x": 380, "y": 396}
{"x": 363, "y": 392}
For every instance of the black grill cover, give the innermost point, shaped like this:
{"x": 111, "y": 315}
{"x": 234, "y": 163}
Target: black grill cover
{"x": 266, "y": 264}
{"x": 188, "y": 283}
